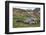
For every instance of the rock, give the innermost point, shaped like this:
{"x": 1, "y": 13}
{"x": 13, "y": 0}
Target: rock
{"x": 30, "y": 20}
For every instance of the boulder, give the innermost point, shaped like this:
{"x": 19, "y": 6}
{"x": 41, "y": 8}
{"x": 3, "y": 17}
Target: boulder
{"x": 30, "y": 20}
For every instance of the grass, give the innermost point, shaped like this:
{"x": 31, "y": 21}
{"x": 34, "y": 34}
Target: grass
{"x": 21, "y": 24}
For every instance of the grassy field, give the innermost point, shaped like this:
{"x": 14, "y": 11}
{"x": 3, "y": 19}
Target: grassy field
{"x": 21, "y": 24}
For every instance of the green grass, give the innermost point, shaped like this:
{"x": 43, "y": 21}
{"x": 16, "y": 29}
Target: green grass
{"x": 21, "y": 24}
{"x": 25, "y": 25}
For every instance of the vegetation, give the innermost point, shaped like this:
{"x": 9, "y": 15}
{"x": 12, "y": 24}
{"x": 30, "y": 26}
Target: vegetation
{"x": 19, "y": 17}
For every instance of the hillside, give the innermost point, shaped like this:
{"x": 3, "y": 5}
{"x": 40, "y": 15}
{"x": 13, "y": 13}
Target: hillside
{"x": 25, "y": 17}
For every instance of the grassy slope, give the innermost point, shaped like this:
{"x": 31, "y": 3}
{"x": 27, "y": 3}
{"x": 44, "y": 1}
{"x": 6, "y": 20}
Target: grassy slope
{"x": 21, "y": 24}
